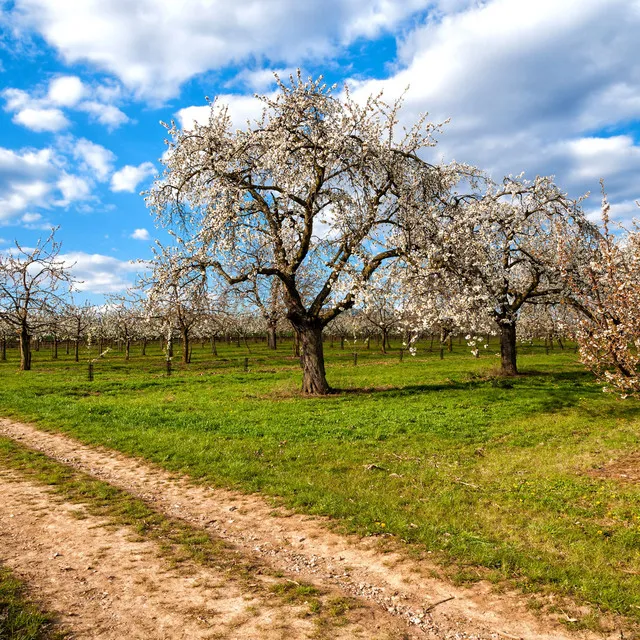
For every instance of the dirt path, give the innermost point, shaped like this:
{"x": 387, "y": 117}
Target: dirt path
{"x": 303, "y": 546}
{"x": 102, "y": 583}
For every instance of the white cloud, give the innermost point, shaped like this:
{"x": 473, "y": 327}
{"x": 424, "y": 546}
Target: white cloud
{"x": 528, "y": 94}
{"x": 41, "y": 119}
{"x": 94, "y": 158}
{"x": 41, "y": 110}
{"x": 25, "y": 180}
{"x": 31, "y": 217}
{"x": 261, "y": 79}
{"x": 73, "y": 189}
{"x": 241, "y": 108}
{"x": 140, "y": 234}
{"x": 66, "y": 91}
{"x": 129, "y": 177}
{"x": 106, "y": 114}
{"x": 16, "y": 99}
{"x": 99, "y": 273}
{"x": 153, "y": 46}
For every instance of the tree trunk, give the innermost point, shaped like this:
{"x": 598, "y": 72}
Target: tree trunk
{"x": 296, "y": 343}
{"x": 55, "y": 348}
{"x": 68, "y": 347}
{"x": 3, "y": 349}
{"x": 314, "y": 378}
{"x": 272, "y": 337}
{"x": 214, "y": 350}
{"x": 508, "y": 348}
{"x": 25, "y": 349}
{"x": 144, "y": 346}
{"x": 127, "y": 351}
{"x": 76, "y": 350}
{"x": 385, "y": 339}
{"x": 186, "y": 356}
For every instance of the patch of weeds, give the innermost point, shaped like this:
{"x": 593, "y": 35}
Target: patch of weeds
{"x": 21, "y": 619}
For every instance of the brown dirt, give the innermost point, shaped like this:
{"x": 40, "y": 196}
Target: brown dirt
{"x": 103, "y": 583}
{"x": 302, "y": 547}
{"x": 625, "y": 469}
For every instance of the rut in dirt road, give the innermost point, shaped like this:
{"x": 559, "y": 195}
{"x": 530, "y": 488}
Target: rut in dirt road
{"x": 103, "y": 581}
{"x": 302, "y": 547}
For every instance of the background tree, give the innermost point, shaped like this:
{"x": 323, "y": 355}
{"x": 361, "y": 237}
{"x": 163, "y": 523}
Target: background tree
{"x": 178, "y": 297}
{"x": 502, "y": 249}
{"x": 306, "y": 195}
{"x": 77, "y": 320}
{"x": 34, "y": 283}
{"x": 607, "y": 292}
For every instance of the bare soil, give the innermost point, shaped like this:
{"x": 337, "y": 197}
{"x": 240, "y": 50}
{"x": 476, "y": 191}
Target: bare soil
{"x": 104, "y": 583}
{"x": 378, "y": 573}
{"x": 624, "y": 469}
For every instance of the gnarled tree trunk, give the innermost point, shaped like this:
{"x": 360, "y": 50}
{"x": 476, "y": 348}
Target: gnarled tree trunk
{"x": 314, "y": 377}
{"x": 508, "y": 348}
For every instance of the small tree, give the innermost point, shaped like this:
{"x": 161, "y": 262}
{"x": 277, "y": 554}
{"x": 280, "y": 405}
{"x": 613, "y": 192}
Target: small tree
{"x": 306, "y": 195}
{"x": 34, "y": 283}
{"x": 77, "y": 320}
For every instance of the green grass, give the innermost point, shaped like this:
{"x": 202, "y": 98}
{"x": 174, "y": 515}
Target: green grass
{"x": 488, "y": 475}
{"x": 20, "y": 619}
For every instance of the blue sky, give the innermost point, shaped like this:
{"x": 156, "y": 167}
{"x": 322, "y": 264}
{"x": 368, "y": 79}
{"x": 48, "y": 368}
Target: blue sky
{"x": 541, "y": 86}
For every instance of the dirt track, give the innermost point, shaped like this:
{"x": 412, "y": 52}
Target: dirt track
{"x": 399, "y": 596}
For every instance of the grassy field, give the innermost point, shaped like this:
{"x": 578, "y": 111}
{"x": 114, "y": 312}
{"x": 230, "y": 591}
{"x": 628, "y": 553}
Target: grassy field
{"x": 490, "y": 476}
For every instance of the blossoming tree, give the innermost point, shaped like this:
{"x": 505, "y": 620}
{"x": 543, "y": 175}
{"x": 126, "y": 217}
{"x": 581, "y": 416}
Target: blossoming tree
{"x": 504, "y": 248}
{"x": 34, "y": 284}
{"x": 306, "y": 195}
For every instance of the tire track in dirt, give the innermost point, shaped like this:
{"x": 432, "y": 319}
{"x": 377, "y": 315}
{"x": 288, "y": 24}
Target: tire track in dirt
{"x": 103, "y": 583}
{"x": 301, "y": 546}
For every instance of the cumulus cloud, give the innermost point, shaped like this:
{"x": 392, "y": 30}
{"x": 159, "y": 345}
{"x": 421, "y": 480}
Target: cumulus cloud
{"x": 527, "y": 94}
{"x": 66, "y": 91}
{"x": 41, "y": 119}
{"x": 261, "y": 79}
{"x": 129, "y": 177}
{"x": 41, "y": 110}
{"x": 107, "y": 114}
{"x": 153, "y": 46}
{"x": 140, "y": 234}
{"x": 73, "y": 189}
{"x": 93, "y": 157}
{"x": 25, "y": 180}
{"x": 98, "y": 273}
{"x": 242, "y": 108}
